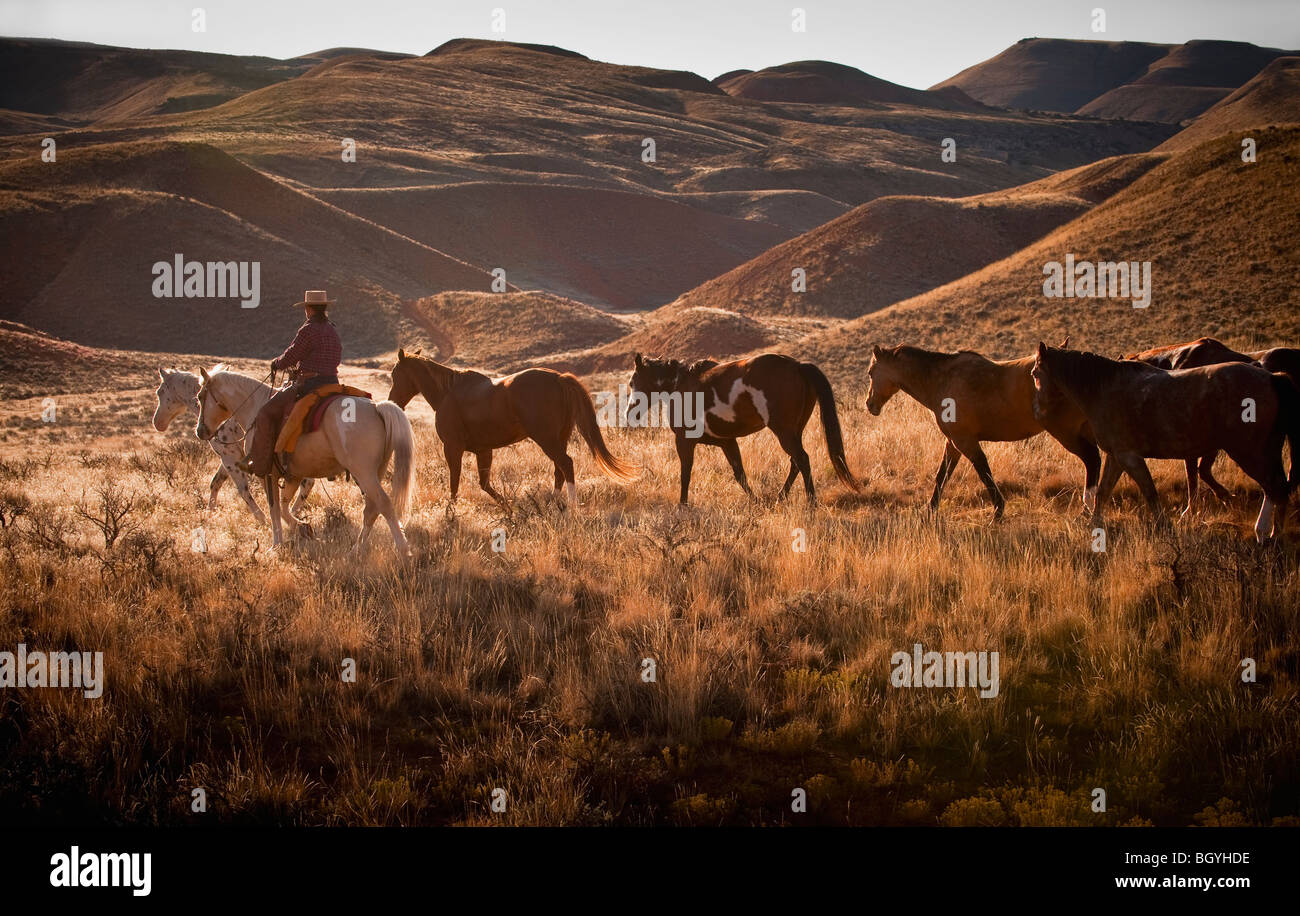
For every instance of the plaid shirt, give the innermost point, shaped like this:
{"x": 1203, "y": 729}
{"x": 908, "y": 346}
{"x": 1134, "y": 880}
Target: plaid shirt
{"x": 316, "y": 348}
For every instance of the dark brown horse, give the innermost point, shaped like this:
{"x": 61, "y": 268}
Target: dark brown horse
{"x": 1138, "y": 411}
{"x": 975, "y": 399}
{"x": 1206, "y": 351}
{"x": 740, "y": 398}
{"x": 478, "y": 414}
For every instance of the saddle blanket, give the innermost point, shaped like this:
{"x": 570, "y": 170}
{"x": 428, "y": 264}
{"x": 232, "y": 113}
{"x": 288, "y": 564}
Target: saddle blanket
{"x": 309, "y": 410}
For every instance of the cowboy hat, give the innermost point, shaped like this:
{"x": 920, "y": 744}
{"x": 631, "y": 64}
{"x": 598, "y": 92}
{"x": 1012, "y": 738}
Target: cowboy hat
{"x": 314, "y": 297}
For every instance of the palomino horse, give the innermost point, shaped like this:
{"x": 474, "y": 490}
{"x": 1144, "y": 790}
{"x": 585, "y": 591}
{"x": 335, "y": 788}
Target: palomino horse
{"x": 975, "y": 399}
{"x": 739, "y": 399}
{"x": 1206, "y": 351}
{"x": 178, "y": 390}
{"x": 478, "y": 414}
{"x": 1138, "y": 411}
{"x": 356, "y": 435}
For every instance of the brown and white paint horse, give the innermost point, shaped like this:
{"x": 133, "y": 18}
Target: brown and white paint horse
{"x": 739, "y": 399}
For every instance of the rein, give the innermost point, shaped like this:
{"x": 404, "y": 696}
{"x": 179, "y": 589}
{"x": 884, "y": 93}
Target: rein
{"x": 270, "y": 375}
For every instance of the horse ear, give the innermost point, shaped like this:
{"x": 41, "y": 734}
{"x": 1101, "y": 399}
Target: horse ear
{"x": 401, "y": 354}
{"x": 204, "y": 372}
{"x": 636, "y": 360}
{"x": 162, "y": 374}
{"x": 876, "y": 351}
{"x": 1042, "y": 349}
{"x": 418, "y": 351}
{"x": 1065, "y": 344}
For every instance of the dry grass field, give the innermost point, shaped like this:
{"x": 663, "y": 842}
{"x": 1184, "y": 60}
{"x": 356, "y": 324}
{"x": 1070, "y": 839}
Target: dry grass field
{"x": 522, "y": 670}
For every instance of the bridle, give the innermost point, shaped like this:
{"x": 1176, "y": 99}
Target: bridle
{"x": 205, "y": 392}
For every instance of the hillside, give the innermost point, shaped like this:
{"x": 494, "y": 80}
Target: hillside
{"x": 897, "y": 247}
{"x": 1229, "y": 276}
{"x": 84, "y": 83}
{"x": 1272, "y": 97}
{"x": 84, "y": 236}
{"x": 476, "y": 156}
{"x": 824, "y": 83}
{"x": 1105, "y": 79}
{"x": 1055, "y": 74}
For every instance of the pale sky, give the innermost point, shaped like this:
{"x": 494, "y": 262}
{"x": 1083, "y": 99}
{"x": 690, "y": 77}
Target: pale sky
{"x": 914, "y": 42}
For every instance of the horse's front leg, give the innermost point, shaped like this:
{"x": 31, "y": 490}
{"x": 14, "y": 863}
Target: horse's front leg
{"x": 287, "y": 495}
{"x": 303, "y": 491}
{"x": 218, "y": 478}
{"x": 273, "y": 502}
{"x": 685, "y": 455}
{"x": 240, "y": 480}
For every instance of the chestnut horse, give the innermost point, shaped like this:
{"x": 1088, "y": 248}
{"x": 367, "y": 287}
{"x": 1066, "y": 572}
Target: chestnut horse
{"x": 739, "y": 399}
{"x": 478, "y": 414}
{"x": 975, "y": 399}
{"x": 1138, "y": 411}
{"x": 1206, "y": 351}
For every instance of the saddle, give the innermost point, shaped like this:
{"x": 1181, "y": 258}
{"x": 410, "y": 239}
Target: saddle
{"x": 308, "y": 411}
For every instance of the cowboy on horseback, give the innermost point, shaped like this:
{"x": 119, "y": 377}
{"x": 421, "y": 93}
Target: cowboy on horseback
{"x": 312, "y": 360}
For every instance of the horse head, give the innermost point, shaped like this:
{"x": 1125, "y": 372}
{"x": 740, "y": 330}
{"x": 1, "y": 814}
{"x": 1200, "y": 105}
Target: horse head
{"x": 650, "y": 375}
{"x": 882, "y": 376}
{"x": 410, "y": 376}
{"x": 212, "y": 410}
{"x": 1047, "y": 392}
{"x": 176, "y": 391}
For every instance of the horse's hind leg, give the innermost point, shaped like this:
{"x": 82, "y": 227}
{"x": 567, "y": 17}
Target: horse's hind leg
{"x": 951, "y": 455}
{"x": 1137, "y": 469}
{"x": 792, "y": 442}
{"x": 790, "y": 479}
{"x": 1191, "y": 487}
{"x": 484, "y": 461}
{"x": 731, "y": 448}
{"x": 1267, "y": 471}
{"x": 971, "y": 449}
{"x": 377, "y": 502}
{"x": 1206, "y": 470}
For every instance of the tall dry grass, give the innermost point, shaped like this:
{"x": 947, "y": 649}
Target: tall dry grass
{"x": 522, "y": 670}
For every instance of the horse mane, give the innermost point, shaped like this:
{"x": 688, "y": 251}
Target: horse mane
{"x": 1075, "y": 366}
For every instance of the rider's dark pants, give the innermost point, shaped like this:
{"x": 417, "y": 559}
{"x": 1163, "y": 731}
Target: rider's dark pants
{"x": 266, "y": 427}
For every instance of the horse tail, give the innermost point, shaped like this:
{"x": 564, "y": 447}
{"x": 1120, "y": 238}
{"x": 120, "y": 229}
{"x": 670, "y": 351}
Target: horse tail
{"x": 830, "y": 424}
{"x": 1288, "y": 419}
{"x": 584, "y": 414}
{"x": 399, "y": 441}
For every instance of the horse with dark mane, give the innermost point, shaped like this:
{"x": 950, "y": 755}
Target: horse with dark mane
{"x": 1206, "y": 351}
{"x": 740, "y": 398}
{"x": 975, "y": 399}
{"x": 1138, "y": 411}
{"x": 478, "y": 414}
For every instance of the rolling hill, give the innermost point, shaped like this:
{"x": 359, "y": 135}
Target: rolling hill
{"x": 1230, "y": 276}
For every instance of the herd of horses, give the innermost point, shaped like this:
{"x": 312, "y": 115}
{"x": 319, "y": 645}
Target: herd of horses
{"x": 1188, "y": 401}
